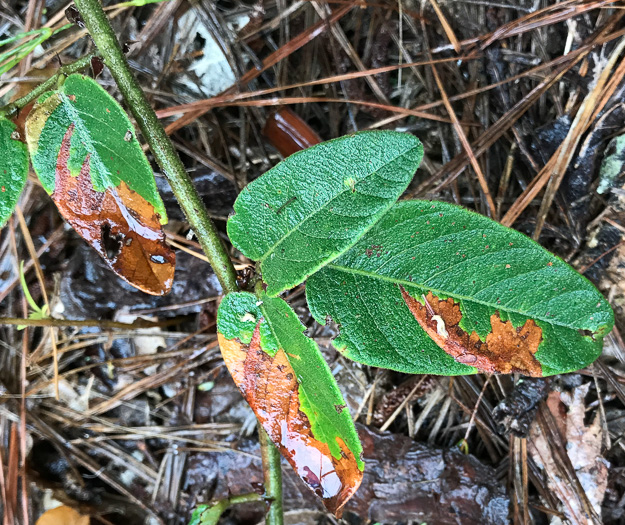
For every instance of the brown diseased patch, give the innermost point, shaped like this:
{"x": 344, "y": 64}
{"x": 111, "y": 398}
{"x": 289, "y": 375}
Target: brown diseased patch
{"x": 120, "y": 224}
{"x": 270, "y": 386}
{"x": 506, "y": 350}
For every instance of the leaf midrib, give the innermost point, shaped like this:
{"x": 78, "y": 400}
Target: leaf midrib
{"x": 444, "y": 293}
{"x": 290, "y": 232}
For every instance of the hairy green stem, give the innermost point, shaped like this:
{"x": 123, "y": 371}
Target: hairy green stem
{"x": 163, "y": 150}
{"x": 272, "y": 472}
{"x": 210, "y": 514}
{"x": 51, "y": 83}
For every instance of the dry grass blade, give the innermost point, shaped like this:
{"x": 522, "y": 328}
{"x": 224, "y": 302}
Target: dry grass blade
{"x": 293, "y": 45}
{"x": 446, "y": 27}
{"x": 519, "y": 475}
{"x": 488, "y": 138}
{"x": 399, "y": 409}
{"x": 343, "y": 41}
{"x": 3, "y": 495}
{"x": 29, "y": 264}
{"x": 455, "y": 167}
{"x": 551, "y": 14}
{"x": 285, "y": 101}
{"x": 88, "y": 463}
{"x": 133, "y": 390}
{"x": 229, "y": 99}
{"x": 11, "y": 488}
{"x": 591, "y": 105}
{"x": 465, "y": 144}
{"x": 33, "y": 255}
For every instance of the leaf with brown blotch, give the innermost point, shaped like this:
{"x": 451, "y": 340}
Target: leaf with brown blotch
{"x": 84, "y": 150}
{"x": 433, "y": 288}
{"x": 507, "y": 349}
{"x": 118, "y": 223}
{"x": 290, "y": 388}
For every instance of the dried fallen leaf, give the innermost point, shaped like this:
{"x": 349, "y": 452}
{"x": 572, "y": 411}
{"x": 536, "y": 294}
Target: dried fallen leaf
{"x": 583, "y": 447}
{"x": 288, "y": 132}
{"x": 85, "y": 153}
{"x": 62, "y": 516}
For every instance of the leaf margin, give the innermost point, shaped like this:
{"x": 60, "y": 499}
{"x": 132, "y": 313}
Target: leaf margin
{"x": 550, "y": 363}
{"x": 13, "y": 163}
{"x": 243, "y": 210}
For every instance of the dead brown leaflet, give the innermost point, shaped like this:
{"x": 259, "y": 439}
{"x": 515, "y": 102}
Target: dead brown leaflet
{"x": 120, "y": 225}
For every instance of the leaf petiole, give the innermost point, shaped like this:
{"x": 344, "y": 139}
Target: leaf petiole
{"x": 51, "y": 83}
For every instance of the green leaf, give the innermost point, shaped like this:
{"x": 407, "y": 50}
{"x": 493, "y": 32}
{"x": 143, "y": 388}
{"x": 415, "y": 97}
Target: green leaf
{"x": 102, "y": 133}
{"x": 315, "y": 204}
{"x": 286, "y": 381}
{"x": 493, "y": 299}
{"x": 13, "y": 168}
{"x": 84, "y": 150}
{"x": 208, "y": 514}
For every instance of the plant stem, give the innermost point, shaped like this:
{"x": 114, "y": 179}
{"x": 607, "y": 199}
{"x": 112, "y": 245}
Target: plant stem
{"x": 163, "y": 150}
{"x": 68, "y": 69}
{"x": 210, "y": 514}
{"x": 272, "y": 472}
{"x": 104, "y": 324}
{"x": 167, "y": 158}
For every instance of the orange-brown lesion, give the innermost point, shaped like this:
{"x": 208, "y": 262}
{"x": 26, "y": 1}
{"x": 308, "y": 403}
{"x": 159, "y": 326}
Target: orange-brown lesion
{"x": 119, "y": 223}
{"x": 270, "y": 386}
{"x": 507, "y": 349}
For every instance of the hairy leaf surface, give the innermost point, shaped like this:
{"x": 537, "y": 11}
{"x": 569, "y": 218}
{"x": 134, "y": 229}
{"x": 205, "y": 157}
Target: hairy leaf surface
{"x": 13, "y": 168}
{"x": 84, "y": 150}
{"x": 289, "y": 386}
{"x": 316, "y": 203}
{"x": 436, "y": 289}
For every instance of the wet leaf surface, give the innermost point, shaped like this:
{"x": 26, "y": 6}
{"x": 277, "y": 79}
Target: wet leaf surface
{"x": 316, "y": 203}
{"x": 403, "y": 480}
{"x": 284, "y": 378}
{"x": 13, "y": 168}
{"x": 88, "y": 290}
{"x": 468, "y": 294}
{"x": 286, "y": 130}
{"x": 517, "y": 411}
{"x": 84, "y": 150}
